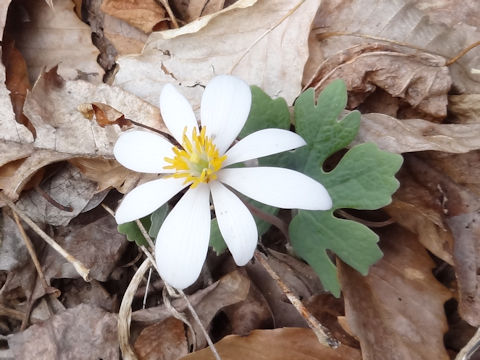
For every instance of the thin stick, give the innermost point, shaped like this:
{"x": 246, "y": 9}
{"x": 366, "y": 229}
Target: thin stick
{"x": 146, "y": 288}
{"x": 290, "y": 12}
{"x": 81, "y": 269}
{"x": 322, "y": 333}
{"x": 204, "y": 331}
{"x": 170, "y": 13}
{"x": 145, "y": 234}
{"x": 33, "y": 255}
{"x": 462, "y": 53}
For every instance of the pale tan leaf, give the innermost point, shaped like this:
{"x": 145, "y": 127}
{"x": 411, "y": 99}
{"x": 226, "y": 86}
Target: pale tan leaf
{"x": 62, "y": 130}
{"x": 400, "y": 136}
{"x": 349, "y": 24}
{"x": 386, "y": 310}
{"x": 56, "y": 36}
{"x": 277, "y": 344}
{"x": 251, "y": 43}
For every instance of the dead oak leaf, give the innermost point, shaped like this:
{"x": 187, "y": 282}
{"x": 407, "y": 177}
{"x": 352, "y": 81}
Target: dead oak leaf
{"x": 277, "y": 344}
{"x": 386, "y": 309}
{"x": 249, "y": 43}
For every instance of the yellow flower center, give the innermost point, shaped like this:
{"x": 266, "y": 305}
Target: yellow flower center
{"x": 199, "y": 160}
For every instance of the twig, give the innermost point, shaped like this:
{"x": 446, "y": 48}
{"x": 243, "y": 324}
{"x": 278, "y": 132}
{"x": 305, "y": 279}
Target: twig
{"x": 52, "y": 200}
{"x": 169, "y": 12}
{"x": 81, "y": 269}
{"x": 144, "y": 305}
{"x": 471, "y": 347}
{"x": 462, "y": 53}
{"x": 145, "y": 234}
{"x": 197, "y": 319}
{"x": 28, "y": 243}
{"x": 322, "y": 333}
{"x": 290, "y": 12}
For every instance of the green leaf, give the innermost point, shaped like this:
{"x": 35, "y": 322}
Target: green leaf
{"x": 319, "y": 126}
{"x": 265, "y": 113}
{"x": 132, "y": 231}
{"x": 363, "y": 179}
{"x": 157, "y": 218}
{"x": 313, "y": 232}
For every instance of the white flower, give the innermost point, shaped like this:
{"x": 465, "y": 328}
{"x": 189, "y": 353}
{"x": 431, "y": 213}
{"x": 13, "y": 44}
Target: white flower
{"x": 202, "y": 165}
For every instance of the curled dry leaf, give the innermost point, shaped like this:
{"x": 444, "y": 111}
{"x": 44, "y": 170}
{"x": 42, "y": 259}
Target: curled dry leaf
{"x": 418, "y": 79}
{"x": 345, "y": 25}
{"x": 62, "y": 131}
{"x": 401, "y": 136}
{"x": 277, "y": 344}
{"x": 386, "y": 309}
{"x": 456, "y": 186}
{"x": 143, "y": 14}
{"x": 248, "y": 43}
{"x": 125, "y": 38}
{"x": 54, "y": 36}
{"x": 84, "y": 332}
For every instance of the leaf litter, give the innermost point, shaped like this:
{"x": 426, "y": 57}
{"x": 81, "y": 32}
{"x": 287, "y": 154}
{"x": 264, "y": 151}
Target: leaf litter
{"x": 395, "y": 60}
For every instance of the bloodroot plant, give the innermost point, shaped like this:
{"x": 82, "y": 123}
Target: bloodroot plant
{"x": 289, "y": 175}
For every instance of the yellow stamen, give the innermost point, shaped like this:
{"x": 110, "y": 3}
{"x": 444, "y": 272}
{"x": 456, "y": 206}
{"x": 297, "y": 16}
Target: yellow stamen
{"x": 199, "y": 160}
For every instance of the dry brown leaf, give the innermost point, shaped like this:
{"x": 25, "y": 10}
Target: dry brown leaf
{"x": 348, "y": 24}
{"x": 16, "y": 81}
{"x": 461, "y": 205}
{"x": 228, "y": 44}
{"x": 386, "y": 310}
{"x": 162, "y": 341}
{"x": 277, "y": 344}
{"x": 78, "y": 292}
{"x": 143, "y": 14}
{"x": 54, "y": 36}
{"x": 401, "y": 136}
{"x": 62, "y": 130}
{"x": 84, "y": 332}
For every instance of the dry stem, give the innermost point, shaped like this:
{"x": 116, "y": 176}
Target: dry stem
{"x": 81, "y": 269}
{"x": 322, "y": 333}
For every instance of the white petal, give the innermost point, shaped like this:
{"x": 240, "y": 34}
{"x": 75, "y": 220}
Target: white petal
{"x": 279, "y": 187}
{"x": 143, "y": 151}
{"x": 263, "y": 143}
{"x": 235, "y": 222}
{"x": 176, "y": 112}
{"x": 182, "y": 241}
{"x": 225, "y": 107}
{"x": 147, "y": 198}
